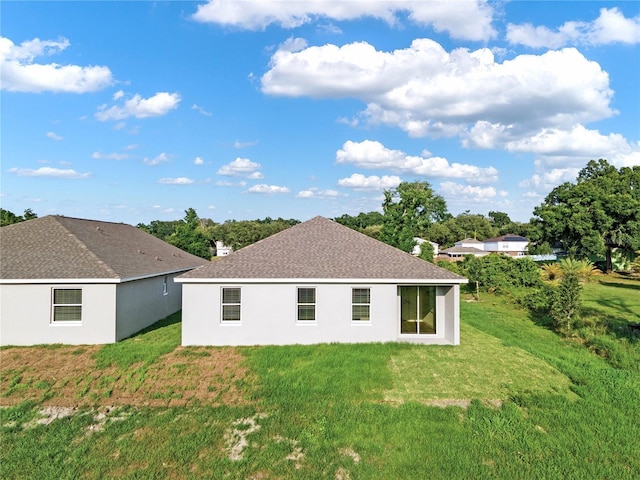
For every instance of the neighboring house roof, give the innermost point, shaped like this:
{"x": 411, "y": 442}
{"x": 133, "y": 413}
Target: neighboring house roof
{"x": 320, "y": 249}
{"x": 507, "y": 238}
{"x": 469, "y": 240}
{"x": 56, "y": 247}
{"x": 464, "y": 250}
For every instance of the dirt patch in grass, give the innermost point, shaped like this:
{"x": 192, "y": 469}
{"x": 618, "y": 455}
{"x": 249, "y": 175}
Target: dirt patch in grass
{"x": 68, "y": 377}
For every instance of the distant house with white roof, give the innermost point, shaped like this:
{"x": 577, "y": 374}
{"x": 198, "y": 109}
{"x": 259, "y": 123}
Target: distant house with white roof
{"x": 222, "y": 250}
{"x": 513, "y": 245}
{"x": 417, "y": 249}
{"x": 509, "y": 244}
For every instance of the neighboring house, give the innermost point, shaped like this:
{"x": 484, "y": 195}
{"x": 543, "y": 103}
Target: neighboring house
{"x": 74, "y": 281}
{"x": 509, "y": 244}
{"x": 222, "y": 250}
{"x": 417, "y": 248}
{"x": 458, "y": 252}
{"x": 319, "y": 282}
{"x": 470, "y": 243}
{"x": 513, "y": 245}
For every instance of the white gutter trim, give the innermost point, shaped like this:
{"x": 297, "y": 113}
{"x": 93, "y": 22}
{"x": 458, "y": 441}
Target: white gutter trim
{"x": 23, "y": 281}
{"x": 399, "y": 281}
{"x": 33, "y": 281}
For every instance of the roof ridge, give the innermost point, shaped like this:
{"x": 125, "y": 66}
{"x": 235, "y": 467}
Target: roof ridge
{"x": 321, "y": 248}
{"x": 269, "y": 237}
{"x": 85, "y": 219}
{"x": 82, "y": 245}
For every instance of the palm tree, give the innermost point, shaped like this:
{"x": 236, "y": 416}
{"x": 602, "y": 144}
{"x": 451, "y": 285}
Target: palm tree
{"x": 551, "y": 272}
{"x": 584, "y": 269}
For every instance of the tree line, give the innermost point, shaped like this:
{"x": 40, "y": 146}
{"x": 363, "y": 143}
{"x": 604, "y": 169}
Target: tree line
{"x": 590, "y": 217}
{"x": 199, "y": 235}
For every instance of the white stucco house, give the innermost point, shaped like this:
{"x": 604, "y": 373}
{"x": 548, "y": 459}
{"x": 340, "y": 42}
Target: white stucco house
{"x": 417, "y": 249}
{"x": 74, "y": 281}
{"x": 222, "y": 250}
{"x": 319, "y": 282}
{"x": 509, "y": 244}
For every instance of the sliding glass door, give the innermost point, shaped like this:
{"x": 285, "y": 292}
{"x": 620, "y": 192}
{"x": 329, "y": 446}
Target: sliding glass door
{"x": 417, "y": 309}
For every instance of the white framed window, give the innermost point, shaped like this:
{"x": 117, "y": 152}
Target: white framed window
{"x": 360, "y": 304}
{"x": 306, "y": 304}
{"x": 165, "y": 287}
{"x": 231, "y": 302}
{"x": 66, "y": 305}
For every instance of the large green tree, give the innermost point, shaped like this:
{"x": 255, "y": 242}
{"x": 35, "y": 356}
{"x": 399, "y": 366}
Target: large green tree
{"x": 597, "y": 213}
{"x": 188, "y": 236}
{"x": 408, "y": 210}
{"x": 499, "y": 219}
{"x": 464, "y": 225}
{"x": 7, "y": 217}
{"x": 239, "y": 234}
{"x": 361, "y": 221}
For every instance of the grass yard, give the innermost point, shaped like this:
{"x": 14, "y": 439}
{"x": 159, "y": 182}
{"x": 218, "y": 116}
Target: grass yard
{"x": 513, "y": 401}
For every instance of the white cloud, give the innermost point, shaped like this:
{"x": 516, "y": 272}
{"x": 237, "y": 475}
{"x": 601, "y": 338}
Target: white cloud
{"x": 54, "y": 136}
{"x": 19, "y": 73}
{"x": 48, "y": 172}
{"x": 226, "y": 183}
{"x": 238, "y": 144}
{"x": 352, "y": 122}
{"x": 427, "y": 91}
{"x": 469, "y": 192}
{"x": 469, "y": 19}
{"x": 329, "y": 28}
{"x": 268, "y": 189}
{"x": 132, "y": 147}
{"x": 573, "y": 146}
{"x": 372, "y": 154}
{"x": 201, "y": 110}
{"x": 547, "y": 180}
{"x": 240, "y": 167}
{"x": 314, "y": 192}
{"x": 577, "y": 141}
{"x": 163, "y": 157}
{"x": 159, "y": 104}
{"x": 292, "y": 44}
{"x": 373, "y": 182}
{"x": 176, "y": 181}
{"x": 198, "y": 161}
{"x": 610, "y": 27}
{"x": 118, "y": 95}
{"x": 256, "y": 176}
{"x": 109, "y": 156}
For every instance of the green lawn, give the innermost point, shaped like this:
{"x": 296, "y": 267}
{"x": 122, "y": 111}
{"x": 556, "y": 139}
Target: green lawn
{"x": 368, "y": 411}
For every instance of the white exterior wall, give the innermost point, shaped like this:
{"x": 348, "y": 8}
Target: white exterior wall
{"x": 269, "y": 312}
{"x": 479, "y": 245}
{"x": 141, "y": 303}
{"x": 506, "y": 247}
{"x": 26, "y": 315}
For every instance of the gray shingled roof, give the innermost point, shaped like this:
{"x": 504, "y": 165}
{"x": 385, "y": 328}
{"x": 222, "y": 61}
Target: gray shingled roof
{"x": 320, "y": 249}
{"x": 58, "y": 247}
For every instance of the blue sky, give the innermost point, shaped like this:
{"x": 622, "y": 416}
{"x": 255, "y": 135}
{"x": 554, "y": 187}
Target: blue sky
{"x": 136, "y": 111}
